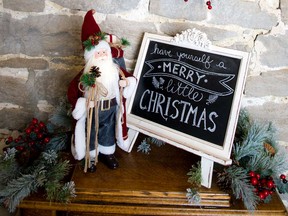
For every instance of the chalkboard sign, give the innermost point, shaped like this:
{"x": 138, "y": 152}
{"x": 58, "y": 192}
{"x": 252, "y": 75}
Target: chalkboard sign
{"x": 188, "y": 95}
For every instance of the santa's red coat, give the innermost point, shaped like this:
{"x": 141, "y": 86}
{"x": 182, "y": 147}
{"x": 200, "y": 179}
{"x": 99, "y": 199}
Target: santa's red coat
{"x": 74, "y": 94}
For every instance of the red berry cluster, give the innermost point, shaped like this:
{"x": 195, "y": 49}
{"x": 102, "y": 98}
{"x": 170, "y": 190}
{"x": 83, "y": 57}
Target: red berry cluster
{"x": 208, "y": 3}
{"x": 283, "y": 178}
{"x": 32, "y": 141}
{"x": 263, "y": 186}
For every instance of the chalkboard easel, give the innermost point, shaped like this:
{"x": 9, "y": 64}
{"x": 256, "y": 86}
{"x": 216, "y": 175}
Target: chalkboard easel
{"x": 188, "y": 94}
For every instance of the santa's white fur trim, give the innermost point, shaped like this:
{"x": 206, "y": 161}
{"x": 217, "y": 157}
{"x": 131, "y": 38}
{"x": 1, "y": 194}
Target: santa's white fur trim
{"x": 80, "y": 108}
{"x": 124, "y": 144}
{"x": 79, "y": 139}
{"x": 107, "y": 150}
{"x": 93, "y": 155}
{"x": 128, "y": 90}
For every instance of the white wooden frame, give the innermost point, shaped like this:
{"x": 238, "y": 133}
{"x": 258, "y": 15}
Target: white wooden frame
{"x": 209, "y": 152}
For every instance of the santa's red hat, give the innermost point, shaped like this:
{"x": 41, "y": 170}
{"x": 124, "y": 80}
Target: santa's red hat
{"x": 89, "y": 26}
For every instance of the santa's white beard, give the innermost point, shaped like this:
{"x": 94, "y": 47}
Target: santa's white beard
{"x": 109, "y": 76}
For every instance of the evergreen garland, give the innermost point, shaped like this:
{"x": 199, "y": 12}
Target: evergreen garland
{"x": 258, "y": 162}
{"x": 34, "y": 161}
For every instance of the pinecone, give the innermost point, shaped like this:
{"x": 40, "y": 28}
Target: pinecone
{"x": 269, "y": 148}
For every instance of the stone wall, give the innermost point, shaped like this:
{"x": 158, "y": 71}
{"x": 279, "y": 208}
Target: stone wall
{"x": 41, "y": 50}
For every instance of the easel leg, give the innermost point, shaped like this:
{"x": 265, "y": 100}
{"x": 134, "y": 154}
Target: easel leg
{"x": 206, "y": 172}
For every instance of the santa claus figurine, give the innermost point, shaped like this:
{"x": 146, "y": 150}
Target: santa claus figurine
{"x": 97, "y": 95}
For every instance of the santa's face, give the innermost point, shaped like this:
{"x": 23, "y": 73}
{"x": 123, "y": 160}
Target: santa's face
{"x": 101, "y": 54}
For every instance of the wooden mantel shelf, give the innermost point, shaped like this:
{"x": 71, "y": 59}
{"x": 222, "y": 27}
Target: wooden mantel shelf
{"x": 144, "y": 184}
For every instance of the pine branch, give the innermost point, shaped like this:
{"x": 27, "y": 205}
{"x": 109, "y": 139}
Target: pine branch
{"x": 281, "y": 187}
{"x": 279, "y": 162}
{"x": 19, "y": 188}
{"x": 61, "y": 118}
{"x": 144, "y": 147}
{"x": 193, "y": 196}
{"x": 66, "y": 192}
{"x": 241, "y": 187}
{"x": 243, "y": 125}
{"x": 125, "y": 42}
{"x": 57, "y": 192}
{"x": 194, "y": 174}
{"x": 155, "y": 141}
{"x": 252, "y": 144}
{"x": 9, "y": 168}
{"x": 58, "y": 142}
{"x": 58, "y": 171}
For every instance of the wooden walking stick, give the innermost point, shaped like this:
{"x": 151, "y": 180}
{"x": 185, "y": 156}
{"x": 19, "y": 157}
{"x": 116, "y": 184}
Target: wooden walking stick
{"x": 90, "y": 108}
{"x": 88, "y": 80}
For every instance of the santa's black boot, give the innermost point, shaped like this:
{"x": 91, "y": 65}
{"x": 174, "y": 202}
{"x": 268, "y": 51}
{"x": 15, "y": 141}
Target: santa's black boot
{"x": 92, "y": 167}
{"x": 109, "y": 160}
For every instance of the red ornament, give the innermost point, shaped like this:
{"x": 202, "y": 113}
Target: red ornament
{"x": 210, "y": 7}
{"x": 36, "y": 129}
{"x": 28, "y": 131}
{"x": 263, "y": 182}
{"x": 262, "y": 195}
{"x": 9, "y": 140}
{"x": 254, "y": 181}
{"x": 19, "y": 148}
{"x": 41, "y": 124}
{"x": 46, "y": 139}
{"x": 282, "y": 176}
{"x": 258, "y": 176}
{"x": 270, "y": 184}
{"x": 208, "y": 3}
{"x": 31, "y": 143}
{"x": 266, "y": 193}
{"x": 185, "y": 0}
{"x": 34, "y": 121}
{"x": 39, "y": 135}
{"x": 252, "y": 174}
